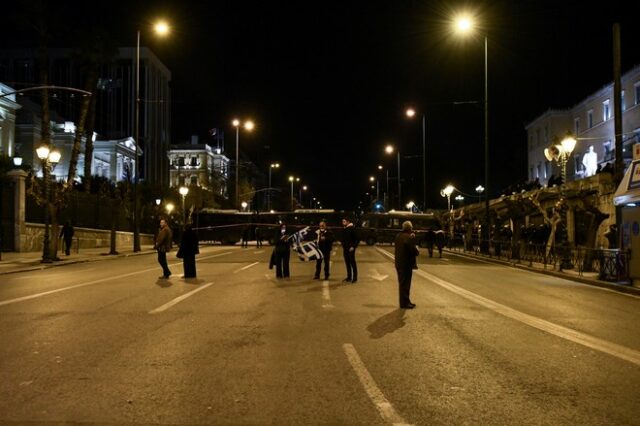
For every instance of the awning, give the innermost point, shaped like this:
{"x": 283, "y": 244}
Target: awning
{"x": 629, "y": 189}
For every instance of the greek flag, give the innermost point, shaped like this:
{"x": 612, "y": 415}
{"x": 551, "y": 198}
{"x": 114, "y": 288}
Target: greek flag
{"x": 308, "y": 250}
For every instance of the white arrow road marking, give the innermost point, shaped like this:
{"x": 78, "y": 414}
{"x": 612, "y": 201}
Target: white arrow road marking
{"x": 377, "y": 276}
{"x": 245, "y": 267}
{"x": 179, "y": 299}
{"x": 326, "y": 295}
{"x": 375, "y": 394}
{"x": 566, "y": 333}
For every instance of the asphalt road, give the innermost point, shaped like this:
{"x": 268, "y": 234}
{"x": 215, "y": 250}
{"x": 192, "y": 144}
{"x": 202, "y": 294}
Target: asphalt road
{"x": 108, "y": 342}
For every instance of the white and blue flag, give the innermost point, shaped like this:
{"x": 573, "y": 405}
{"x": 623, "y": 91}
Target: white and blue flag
{"x": 306, "y": 250}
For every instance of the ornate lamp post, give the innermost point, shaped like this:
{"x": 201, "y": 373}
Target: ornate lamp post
{"x": 49, "y": 158}
{"x": 446, "y": 192}
{"x": 479, "y": 190}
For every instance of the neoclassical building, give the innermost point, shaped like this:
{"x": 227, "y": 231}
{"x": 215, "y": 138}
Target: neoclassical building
{"x": 592, "y": 122}
{"x": 199, "y": 164}
{"x": 8, "y": 110}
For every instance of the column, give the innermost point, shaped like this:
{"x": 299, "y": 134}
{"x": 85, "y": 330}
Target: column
{"x": 19, "y": 205}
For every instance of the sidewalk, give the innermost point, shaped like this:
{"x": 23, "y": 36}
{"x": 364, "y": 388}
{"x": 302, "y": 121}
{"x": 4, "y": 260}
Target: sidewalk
{"x": 590, "y": 278}
{"x": 30, "y": 261}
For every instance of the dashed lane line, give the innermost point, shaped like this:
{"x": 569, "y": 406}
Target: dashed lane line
{"x": 179, "y": 299}
{"x": 610, "y": 348}
{"x": 93, "y": 282}
{"x": 326, "y": 295}
{"x": 384, "y": 407}
{"x": 245, "y": 267}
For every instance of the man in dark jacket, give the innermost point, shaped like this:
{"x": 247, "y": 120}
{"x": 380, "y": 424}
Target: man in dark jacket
{"x": 66, "y": 233}
{"x": 429, "y": 238}
{"x": 325, "y": 243}
{"x": 349, "y": 245}
{"x": 163, "y": 245}
{"x": 440, "y": 240}
{"x": 188, "y": 250}
{"x": 282, "y": 252}
{"x": 405, "y": 260}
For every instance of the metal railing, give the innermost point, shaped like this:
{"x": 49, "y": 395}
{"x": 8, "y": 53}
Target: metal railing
{"x": 609, "y": 264}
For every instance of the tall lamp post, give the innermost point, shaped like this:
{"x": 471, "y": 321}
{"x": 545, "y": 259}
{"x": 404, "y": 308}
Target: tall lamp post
{"x": 293, "y": 179}
{"x": 411, "y": 113}
{"x": 479, "y": 190}
{"x": 389, "y": 150}
{"x": 49, "y": 158}
{"x": 271, "y": 167}
{"x": 464, "y": 24}
{"x": 161, "y": 28}
{"x": 248, "y": 126}
{"x": 184, "y": 191}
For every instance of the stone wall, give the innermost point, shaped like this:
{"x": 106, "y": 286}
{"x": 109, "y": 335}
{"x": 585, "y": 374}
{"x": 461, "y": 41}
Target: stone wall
{"x": 83, "y": 238}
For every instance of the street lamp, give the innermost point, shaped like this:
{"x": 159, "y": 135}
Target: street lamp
{"x": 411, "y": 113}
{"x": 479, "y": 190}
{"x": 389, "y": 150}
{"x": 459, "y": 198}
{"x": 463, "y": 25}
{"x": 248, "y": 126}
{"x": 49, "y": 158}
{"x": 446, "y": 192}
{"x": 183, "y": 191}
{"x": 271, "y": 167}
{"x": 561, "y": 152}
{"x": 162, "y": 29}
{"x": 244, "y": 205}
{"x": 300, "y": 190}
{"x": 292, "y": 179}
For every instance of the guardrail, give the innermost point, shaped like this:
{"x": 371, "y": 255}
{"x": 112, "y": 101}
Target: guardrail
{"x": 609, "y": 264}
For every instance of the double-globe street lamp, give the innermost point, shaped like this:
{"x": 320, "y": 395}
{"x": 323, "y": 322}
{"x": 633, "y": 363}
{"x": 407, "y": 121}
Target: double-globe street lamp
{"x": 48, "y": 158}
{"x": 271, "y": 167}
{"x": 161, "y": 28}
{"x": 248, "y": 126}
{"x": 446, "y": 192}
{"x": 464, "y": 25}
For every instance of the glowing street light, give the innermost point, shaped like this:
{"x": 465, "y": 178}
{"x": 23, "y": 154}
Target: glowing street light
{"x": 465, "y": 24}
{"x": 161, "y": 28}
{"x": 183, "y": 190}
{"x": 389, "y": 149}
{"x": 48, "y": 158}
{"x": 479, "y": 190}
{"x": 446, "y": 192}
{"x": 271, "y": 167}
{"x": 410, "y": 112}
{"x": 248, "y": 126}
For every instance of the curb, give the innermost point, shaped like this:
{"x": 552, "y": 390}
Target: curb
{"x": 97, "y": 258}
{"x": 622, "y": 288}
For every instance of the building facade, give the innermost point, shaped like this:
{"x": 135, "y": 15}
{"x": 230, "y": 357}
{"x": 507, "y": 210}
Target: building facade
{"x": 8, "y": 110}
{"x": 116, "y": 100}
{"x": 201, "y": 165}
{"x": 591, "y": 122}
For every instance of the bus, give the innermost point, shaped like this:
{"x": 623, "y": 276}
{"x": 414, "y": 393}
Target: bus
{"x": 227, "y": 226}
{"x": 384, "y": 227}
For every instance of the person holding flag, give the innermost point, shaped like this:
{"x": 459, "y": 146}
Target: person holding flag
{"x": 324, "y": 242}
{"x": 281, "y": 252}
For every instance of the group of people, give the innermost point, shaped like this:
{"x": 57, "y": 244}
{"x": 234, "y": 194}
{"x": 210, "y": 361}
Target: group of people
{"x": 324, "y": 240}
{"x": 406, "y": 253}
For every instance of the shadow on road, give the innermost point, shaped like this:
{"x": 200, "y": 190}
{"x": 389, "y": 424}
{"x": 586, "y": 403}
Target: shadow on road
{"x": 163, "y": 282}
{"x": 387, "y": 324}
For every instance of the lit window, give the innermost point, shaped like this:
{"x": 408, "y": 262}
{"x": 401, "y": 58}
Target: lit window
{"x": 636, "y": 89}
{"x": 590, "y": 119}
{"x": 606, "y": 110}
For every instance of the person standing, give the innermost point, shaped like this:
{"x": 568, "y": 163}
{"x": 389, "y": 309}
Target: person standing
{"x": 349, "y": 245}
{"x": 163, "y": 245}
{"x": 406, "y": 253}
{"x": 245, "y": 237}
{"x": 188, "y": 250}
{"x": 258, "y": 233}
{"x": 325, "y": 244}
{"x": 429, "y": 238}
{"x": 440, "y": 237}
{"x": 66, "y": 233}
{"x": 282, "y": 252}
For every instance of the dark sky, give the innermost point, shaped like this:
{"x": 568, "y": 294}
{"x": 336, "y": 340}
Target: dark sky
{"x": 328, "y": 82}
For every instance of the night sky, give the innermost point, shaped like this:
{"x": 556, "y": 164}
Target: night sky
{"x": 327, "y": 82}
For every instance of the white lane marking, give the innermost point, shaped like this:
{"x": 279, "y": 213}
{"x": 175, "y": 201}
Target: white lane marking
{"x": 258, "y": 252}
{"x": 88, "y": 283}
{"x": 326, "y": 295}
{"x": 49, "y": 276}
{"x": 566, "y": 333}
{"x": 527, "y": 271}
{"x": 375, "y": 394}
{"x": 245, "y": 267}
{"x": 179, "y": 299}
{"x": 45, "y": 293}
{"x": 216, "y": 255}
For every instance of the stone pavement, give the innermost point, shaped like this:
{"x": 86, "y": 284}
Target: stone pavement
{"x": 590, "y": 278}
{"x": 29, "y": 261}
